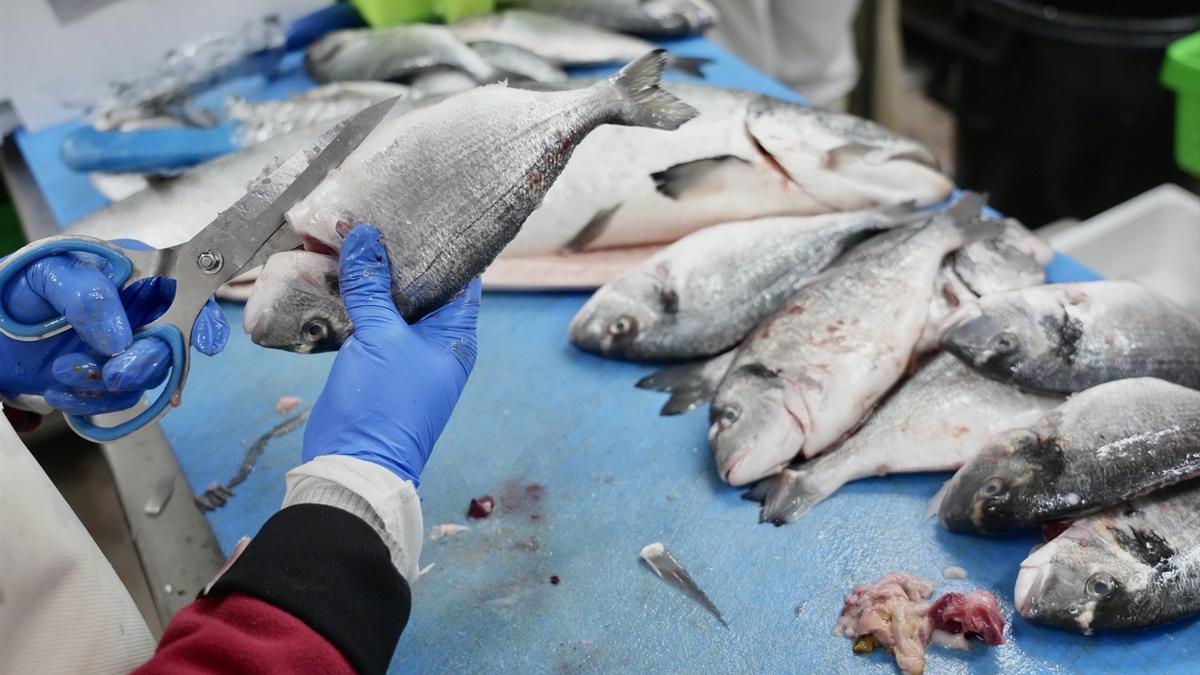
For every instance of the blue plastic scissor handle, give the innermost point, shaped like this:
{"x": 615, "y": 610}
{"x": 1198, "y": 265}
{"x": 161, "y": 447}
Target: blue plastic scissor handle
{"x": 145, "y": 150}
{"x": 170, "y": 334}
{"x": 16, "y": 263}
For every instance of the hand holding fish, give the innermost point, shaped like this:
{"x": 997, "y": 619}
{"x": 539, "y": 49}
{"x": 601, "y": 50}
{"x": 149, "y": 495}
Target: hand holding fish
{"x": 95, "y": 367}
{"x": 393, "y": 385}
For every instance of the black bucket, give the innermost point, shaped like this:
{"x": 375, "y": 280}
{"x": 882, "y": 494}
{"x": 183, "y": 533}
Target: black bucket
{"x": 1060, "y": 111}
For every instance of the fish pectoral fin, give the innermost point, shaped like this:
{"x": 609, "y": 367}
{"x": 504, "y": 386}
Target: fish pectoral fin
{"x": 697, "y": 175}
{"x": 689, "y": 65}
{"x": 690, "y": 384}
{"x": 592, "y": 231}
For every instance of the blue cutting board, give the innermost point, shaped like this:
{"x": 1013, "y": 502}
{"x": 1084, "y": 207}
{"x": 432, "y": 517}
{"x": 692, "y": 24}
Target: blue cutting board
{"x": 586, "y": 473}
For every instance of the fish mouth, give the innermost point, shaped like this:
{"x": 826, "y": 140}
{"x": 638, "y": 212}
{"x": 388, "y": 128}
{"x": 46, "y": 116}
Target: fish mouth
{"x": 733, "y": 472}
{"x": 1032, "y": 579}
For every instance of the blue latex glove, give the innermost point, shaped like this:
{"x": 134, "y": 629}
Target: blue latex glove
{"x": 393, "y": 386}
{"x": 95, "y": 367}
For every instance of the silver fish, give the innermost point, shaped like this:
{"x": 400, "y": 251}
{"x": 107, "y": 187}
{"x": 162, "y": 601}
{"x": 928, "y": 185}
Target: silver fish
{"x": 665, "y": 18}
{"x": 518, "y": 62}
{"x": 702, "y": 294}
{"x": 669, "y": 570}
{"x": 258, "y": 121}
{"x": 1014, "y": 259}
{"x": 1068, "y": 337}
{"x": 562, "y": 41}
{"x": 395, "y": 54}
{"x": 812, "y": 371}
{"x": 449, "y": 186}
{"x": 745, "y": 156}
{"x": 935, "y": 421}
{"x": 1102, "y": 446}
{"x": 1132, "y": 566}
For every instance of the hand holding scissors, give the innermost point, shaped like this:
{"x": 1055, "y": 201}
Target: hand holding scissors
{"x": 241, "y": 237}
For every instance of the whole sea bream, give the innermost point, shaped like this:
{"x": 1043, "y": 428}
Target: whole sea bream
{"x": 395, "y": 54}
{"x": 1133, "y": 566}
{"x": 450, "y": 185}
{"x": 935, "y": 421}
{"x": 811, "y": 372}
{"x": 702, "y": 294}
{"x": 561, "y": 40}
{"x": 1068, "y": 337}
{"x": 1110, "y": 443}
{"x": 666, "y": 18}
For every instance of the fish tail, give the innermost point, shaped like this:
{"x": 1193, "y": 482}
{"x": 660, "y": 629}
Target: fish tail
{"x": 690, "y": 384}
{"x": 792, "y": 494}
{"x": 689, "y": 65}
{"x": 965, "y": 216}
{"x": 642, "y": 102}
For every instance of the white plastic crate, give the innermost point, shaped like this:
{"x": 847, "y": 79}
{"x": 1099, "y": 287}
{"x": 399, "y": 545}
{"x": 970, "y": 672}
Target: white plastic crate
{"x": 1153, "y": 238}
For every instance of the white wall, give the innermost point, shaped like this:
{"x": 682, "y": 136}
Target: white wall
{"x": 45, "y": 64}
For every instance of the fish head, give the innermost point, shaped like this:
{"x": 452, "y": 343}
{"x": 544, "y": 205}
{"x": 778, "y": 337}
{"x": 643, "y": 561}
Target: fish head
{"x": 842, "y": 161}
{"x": 992, "y": 491}
{"x": 681, "y": 16}
{"x": 997, "y": 336}
{"x": 619, "y": 320}
{"x": 1084, "y": 580}
{"x": 296, "y": 306}
{"x": 752, "y": 431}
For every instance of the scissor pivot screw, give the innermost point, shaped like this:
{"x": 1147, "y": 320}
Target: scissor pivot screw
{"x": 209, "y": 261}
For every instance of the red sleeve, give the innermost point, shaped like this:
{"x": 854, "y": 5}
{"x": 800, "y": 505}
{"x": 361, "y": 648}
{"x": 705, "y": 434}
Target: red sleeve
{"x": 237, "y": 633}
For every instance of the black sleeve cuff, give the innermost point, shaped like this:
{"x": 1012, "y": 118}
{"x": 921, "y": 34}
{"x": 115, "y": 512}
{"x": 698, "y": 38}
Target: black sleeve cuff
{"x": 328, "y": 568}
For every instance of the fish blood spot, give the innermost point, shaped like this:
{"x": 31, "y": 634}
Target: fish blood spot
{"x": 959, "y": 431}
{"x": 481, "y": 507}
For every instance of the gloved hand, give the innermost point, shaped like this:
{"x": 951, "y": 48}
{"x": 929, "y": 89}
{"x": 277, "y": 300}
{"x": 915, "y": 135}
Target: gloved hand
{"x": 393, "y": 386}
{"x": 95, "y": 367}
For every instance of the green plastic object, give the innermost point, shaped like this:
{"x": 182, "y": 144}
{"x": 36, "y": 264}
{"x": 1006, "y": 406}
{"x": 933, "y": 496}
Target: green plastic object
{"x": 379, "y": 13}
{"x": 1181, "y": 73}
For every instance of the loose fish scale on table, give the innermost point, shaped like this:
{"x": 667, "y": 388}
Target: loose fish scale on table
{"x": 610, "y": 466}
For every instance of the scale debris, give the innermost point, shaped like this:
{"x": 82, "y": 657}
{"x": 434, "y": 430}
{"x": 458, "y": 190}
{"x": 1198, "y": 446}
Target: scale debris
{"x": 669, "y": 570}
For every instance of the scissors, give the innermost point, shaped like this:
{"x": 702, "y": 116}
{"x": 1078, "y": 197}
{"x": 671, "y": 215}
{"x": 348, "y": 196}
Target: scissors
{"x": 240, "y": 238}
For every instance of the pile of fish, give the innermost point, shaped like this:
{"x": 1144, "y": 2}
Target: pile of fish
{"x": 899, "y": 340}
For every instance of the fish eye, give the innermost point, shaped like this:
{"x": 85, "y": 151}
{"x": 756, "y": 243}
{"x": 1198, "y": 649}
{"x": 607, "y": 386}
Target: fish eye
{"x": 1004, "y": 343}
{"x": 992, "y": 487}
{"x": 622, "y": 326}
{"x": 315, "y": 330}
{"x": 1100, "y": 585}
{"x": 728, "y": 415}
